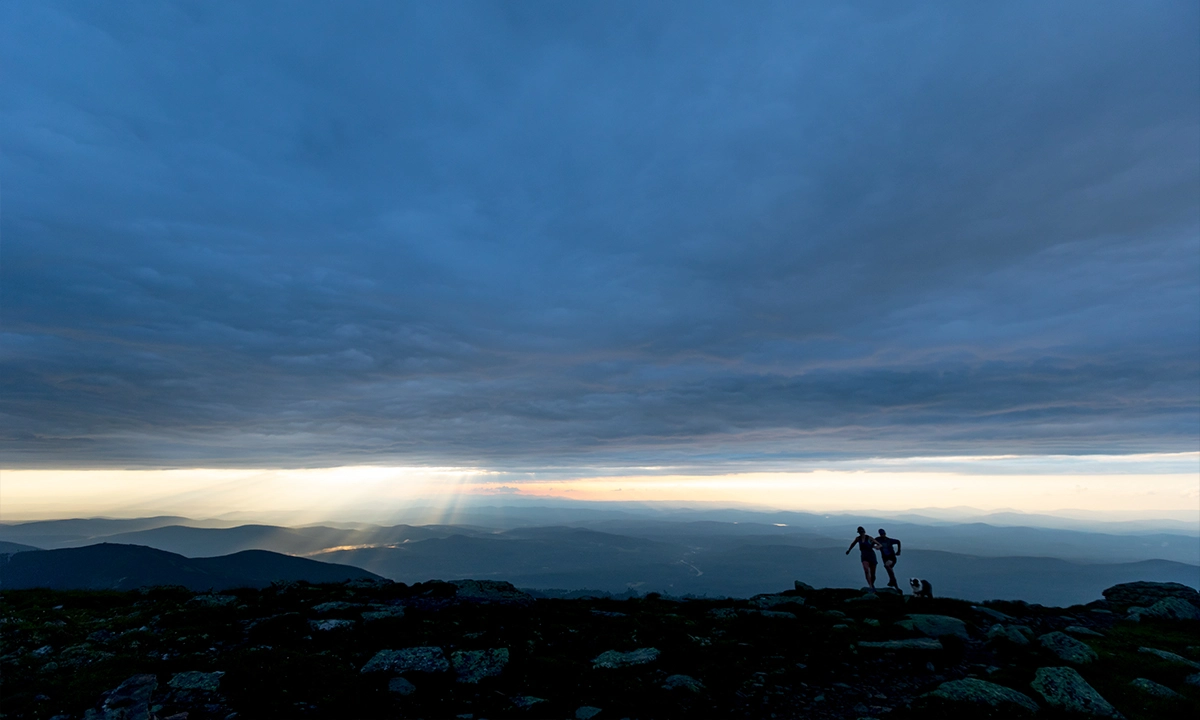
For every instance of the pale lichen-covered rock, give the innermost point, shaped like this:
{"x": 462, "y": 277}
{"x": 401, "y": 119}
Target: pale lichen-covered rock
{"x": 683, "y": 682}
{"x": 336, "y": 606}
{"x": 401, "y": 686}
{"x": 1150, "y": 687}
{"x": 1170, "y": 657}
{"x": 1065, "y": 689}
{"x": 1081, "y": 630}
{"x": 935, "y": 626}
{"x": 130, "y": 700}
{"x": 526, "y": 701}
{"x": 328, "y": 625}
{"x": 587, "y": 712}
{"x": 1067, "y": 648}
{"x": 382, "y": 612}
{"x": 1193, "y": 680}
{"x": 214, "y": 601}
{"x": 614, "y": 659}
{"x": 1007, "y": 634}
{"x": 924, "y": 644}
{"x": 196, "y": 680}
{"x": 979, "y": 699}
{"x": 429, "y": 659}
{"x": 779, "y": 615}
{"x": 492, "y": 592}
{"x": 471, "y": 666}
{"x": 993, "y": 614}
{"x": 1171, "y": 608}
{"x": 1145, "y": 594}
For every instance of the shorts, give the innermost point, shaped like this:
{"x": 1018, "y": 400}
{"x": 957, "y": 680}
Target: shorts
{"x": 869, "y": 559}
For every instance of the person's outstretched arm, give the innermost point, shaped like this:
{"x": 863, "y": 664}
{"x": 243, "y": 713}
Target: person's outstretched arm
{"x": 852, "y": 544}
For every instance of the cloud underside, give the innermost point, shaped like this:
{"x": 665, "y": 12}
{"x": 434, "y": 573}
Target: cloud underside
{"x": 588, "y": 235}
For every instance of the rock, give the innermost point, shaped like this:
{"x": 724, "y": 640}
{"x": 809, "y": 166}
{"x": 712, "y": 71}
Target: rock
{"x": 337, "y": 606}
{"x": 471, "y": 666}
{"x": 766, "y": 602}
{"x": 723, "y": 613}
{"x": 327, "y": 625}
{"x": 803, "y": 587}
{"x": 777, "y": 615}
{"x": 1145, "y": 594}
{"x": 491, "y": 591}
{"x": 1081, "y": 630}
{"x": 979, "y": 699}
{"x": 1170, "y": 657}
{"x": 214, "y": 601}
{"x": 1007, "y": 633}
{"x": 428, "y": 659}
{"x": 911, "y": 644}
{"x": 608, "y": 613}
{"x": 1171, "y": 608}
{"x": 382, "y": 612}
{"x": 196, "y": 680}
{"x": 526, "y": 701}
{"x": 1193, "y": 680}
{"x": 614, "y": 659}
{"x": 43, "y": 651}
{"x": 102, "y": 636}
{"x": 131, "y": 699}
{"x": 1065, "y": 689}
{"x": 587, "y": 712}
{"x": 401, "y": 686}
{"x": 683, "y": 682}
{"x": 1152, "y": 688}
{"x": 935, "y": 625}
{"x": 993, "y": 614}
{"x": 1067, "y": 648}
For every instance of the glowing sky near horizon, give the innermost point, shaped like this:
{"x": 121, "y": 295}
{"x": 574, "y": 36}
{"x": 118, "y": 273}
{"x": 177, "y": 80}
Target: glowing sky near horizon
{"x": 779, "y": 253}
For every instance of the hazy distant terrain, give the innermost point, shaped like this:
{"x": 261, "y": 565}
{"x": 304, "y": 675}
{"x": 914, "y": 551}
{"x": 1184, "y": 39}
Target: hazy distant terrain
{"x": 715, "y": 553}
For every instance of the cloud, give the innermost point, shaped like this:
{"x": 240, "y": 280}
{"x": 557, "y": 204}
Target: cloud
{"x": 520, "y": 236}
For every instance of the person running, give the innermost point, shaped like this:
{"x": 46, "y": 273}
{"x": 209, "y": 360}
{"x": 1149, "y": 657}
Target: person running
{"x": 866, "y": 549}
{"x": 889, "y": 550}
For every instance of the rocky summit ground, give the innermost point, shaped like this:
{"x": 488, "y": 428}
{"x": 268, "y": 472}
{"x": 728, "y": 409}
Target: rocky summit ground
{"x": 486, "y": 650}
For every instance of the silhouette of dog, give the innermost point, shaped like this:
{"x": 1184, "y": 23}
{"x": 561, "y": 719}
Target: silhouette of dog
{"x": 921, "y": 588}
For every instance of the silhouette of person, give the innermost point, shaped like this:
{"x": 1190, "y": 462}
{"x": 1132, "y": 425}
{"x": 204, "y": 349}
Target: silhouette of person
{"x": 866, "y": 549}
{"x": 889, "y": 550}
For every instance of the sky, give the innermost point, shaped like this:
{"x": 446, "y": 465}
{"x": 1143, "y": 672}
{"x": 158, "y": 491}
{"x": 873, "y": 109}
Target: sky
{"x": 568, "y": 242}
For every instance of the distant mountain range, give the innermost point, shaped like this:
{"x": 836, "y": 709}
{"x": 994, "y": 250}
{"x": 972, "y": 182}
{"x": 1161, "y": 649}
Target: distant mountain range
{"x": 619, "y": 552}
{"x": 109, "y": 566}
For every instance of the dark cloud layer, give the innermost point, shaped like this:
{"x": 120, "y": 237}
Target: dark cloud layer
{"x": 530, "y": 234}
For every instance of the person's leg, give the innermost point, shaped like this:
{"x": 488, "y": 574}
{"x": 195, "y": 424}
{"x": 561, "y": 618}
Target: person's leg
{"x": 867, "y": 574}
{"x": 888, "y": 565}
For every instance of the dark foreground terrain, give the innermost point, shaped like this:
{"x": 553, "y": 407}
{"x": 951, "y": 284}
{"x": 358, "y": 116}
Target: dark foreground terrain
{"x": 470, "y": 649}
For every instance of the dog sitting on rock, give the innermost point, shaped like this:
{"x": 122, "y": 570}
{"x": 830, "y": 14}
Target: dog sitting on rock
{"x": 921, "y": 588}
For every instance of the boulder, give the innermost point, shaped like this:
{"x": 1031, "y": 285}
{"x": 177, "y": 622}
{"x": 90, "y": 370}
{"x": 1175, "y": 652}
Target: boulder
{"x": 1081, "y": 630}
{"x": 993, "y": 614}
{"x": 778, "y": 615}
{"x": 683, "y": 682}
{"x": 1193, "y": 680}
{"x": 401, "y": 686}
{"x": 382, "y": 612}
{"x": 1067, "y": 648}
{"x": 1006, "y": 634}
{"x": 130, "y": 700}
{"x": 196, "y": 680}
{"x": 214, "y": 601}
{"x": 614, "y": 659}
{"x": 910, "y": 644}
{"x": 935, "y": 626}
{"x": 327, "y": 625}
{"x": 975, "y": 698}
{"x": 428, "y": 659}
{"x": 803, "y": 587}
{"x": 492, "y": 592}
{"x": 1065, "y": 690}
{"x": 767, "y": 602}
{"x": 526, "y": 701}
{"x": 1170, "y": 657}
{"x": 471, "y": 666}
{"x": 1170, "y": 608}
{"x": 332, "y": 607}
{"x": 1145, "y": 594}
{"x": 587, "y": 712}
{"x": 1152, "y": 688}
